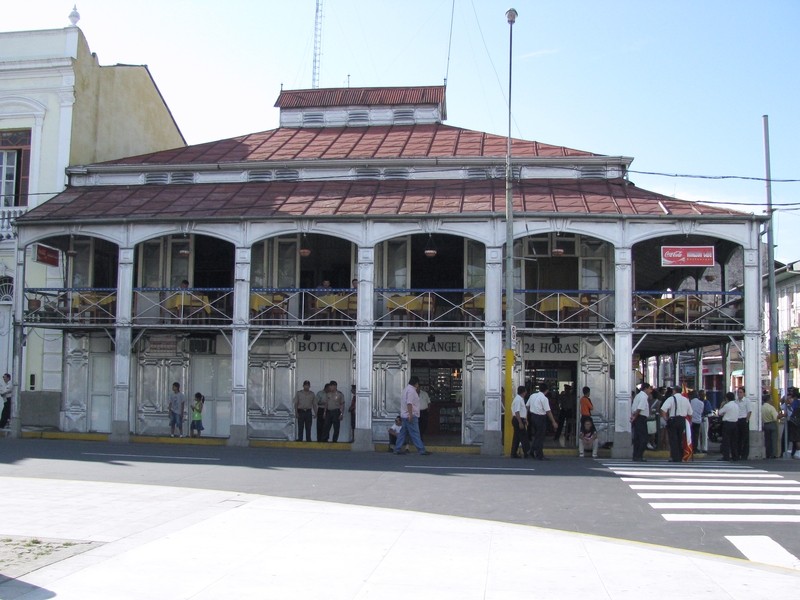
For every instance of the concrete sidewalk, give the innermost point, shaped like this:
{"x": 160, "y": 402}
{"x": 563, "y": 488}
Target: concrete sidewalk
{"x": 161, "y": 542}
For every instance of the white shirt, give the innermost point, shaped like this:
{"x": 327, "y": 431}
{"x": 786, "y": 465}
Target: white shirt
{"x": 424, "y": 400}
{"x": 411, "y": 397}
{"x": 697, "y": 410}
{"x": 729, "y": 412}
{"x": 518, "y": 406}
{"x": 641, "y": 404}
{"x": 538, "y": 404}
{"x": 677, "y": 406}
{"x": 5, "y": 389}
{"x": 744, "y": 407}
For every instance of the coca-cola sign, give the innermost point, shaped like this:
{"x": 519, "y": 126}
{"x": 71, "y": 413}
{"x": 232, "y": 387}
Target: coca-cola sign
{"x": 687, "y": 256}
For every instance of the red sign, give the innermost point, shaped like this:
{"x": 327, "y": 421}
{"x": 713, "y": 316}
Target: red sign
{"x": 687, "y": 256}
{"x": 45, "y": 254}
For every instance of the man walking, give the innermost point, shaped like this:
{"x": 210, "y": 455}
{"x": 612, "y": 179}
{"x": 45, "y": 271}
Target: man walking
{"x": 303, "y": 402}
{"x": 743, "y": 424}
{"x": 539, "y": 408}
{"x": 409, "y": 414}
{"x": 640, "y": 411}
{"x": 334, "y": 411}
{"x": 6, "y": 390}
{"x": 519, "y": 421}
{"x": 177, "y": 404}
{"x": 674, "y": 411}
{"x": 730, "y": 431}
{"x": 566, "y": 412}
{"x": 322, "y": 401}
{"x": 697, "y": 421}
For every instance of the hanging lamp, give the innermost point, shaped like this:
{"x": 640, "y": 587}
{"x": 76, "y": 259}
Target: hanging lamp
{"x": 430, "y": 247}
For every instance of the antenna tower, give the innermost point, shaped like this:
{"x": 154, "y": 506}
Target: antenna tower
{"x": 317, "y": 46}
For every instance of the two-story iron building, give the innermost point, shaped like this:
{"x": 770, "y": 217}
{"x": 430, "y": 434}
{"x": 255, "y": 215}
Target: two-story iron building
{"x": 363, "y": 241}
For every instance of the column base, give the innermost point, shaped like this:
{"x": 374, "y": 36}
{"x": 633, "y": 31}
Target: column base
{"x": 492, "y": 443}
{"x": 14, "y": 427}
{"x": 757, "y": 449}
{"x": 120, "y": 432}
{"x": 238, "y": 436}
{"x": 623, "y": 446}
{"x": 362, "y": 441}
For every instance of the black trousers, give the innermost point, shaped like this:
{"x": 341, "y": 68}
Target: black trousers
{"x": 675, "y": 433}
{"x": 6, "y": 415}
{"x": 539, "y": 428}
{"x": 520, "y": 437}
{"x": 743, "y": 428}
{"x": 730, "y": 440}
{"x": 332, "y": 418}
{"x": 304, "y": 418}
{"x": 565, "y": 416}
{"x": 695, "y": 436}
{"x": 639, "y": 436}
{"x": 423, "y": 421}
{"x": 321, "y": 424}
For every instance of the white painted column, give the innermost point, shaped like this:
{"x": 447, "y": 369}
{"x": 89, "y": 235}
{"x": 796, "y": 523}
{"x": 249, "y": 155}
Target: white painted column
{"x": 623, "y": 351}
{"x": 67, "y": 100}
{"x": 493, "y": 347}
{"x": 365, "y": 325}
{"x": 753, "y": 302}
{"x": 240, "y": 348}
{"x": 18, "y": 374}
{"x": 121, "y": 425}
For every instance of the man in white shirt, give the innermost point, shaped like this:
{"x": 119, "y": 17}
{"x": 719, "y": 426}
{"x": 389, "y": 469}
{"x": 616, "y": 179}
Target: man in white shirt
{"x": 730, "y": 432}
{"x": 6, "y": 390}
{"x": 539, "y": 409}
{"x": 743, "y": 424}
{"x": 697, "y": 421}
{"x": 640, "y": 410}
{"x": 519, "y": 421}
{"x": 674, "y": 411}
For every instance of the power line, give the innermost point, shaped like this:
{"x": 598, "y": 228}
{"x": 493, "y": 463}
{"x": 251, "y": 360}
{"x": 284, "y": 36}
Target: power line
{"x": 684, "y": 176}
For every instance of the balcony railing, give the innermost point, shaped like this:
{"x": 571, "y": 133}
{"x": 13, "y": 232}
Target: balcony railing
{"x": 688, "y": 310}
{"x": 320, "y": 307}
{"x": 565, "y": 309}
{"x": 182, "y": 306}
{"x": 430, "y": 307}
{"x": 7, "y": 216}
{"x": 70, "y": 306}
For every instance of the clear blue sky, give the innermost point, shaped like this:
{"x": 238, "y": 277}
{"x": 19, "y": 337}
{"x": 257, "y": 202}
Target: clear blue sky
{"x": 680, "y": 86}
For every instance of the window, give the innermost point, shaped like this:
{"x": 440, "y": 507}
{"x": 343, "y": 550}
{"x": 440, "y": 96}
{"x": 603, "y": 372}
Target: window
{"x": 15, "y": 155}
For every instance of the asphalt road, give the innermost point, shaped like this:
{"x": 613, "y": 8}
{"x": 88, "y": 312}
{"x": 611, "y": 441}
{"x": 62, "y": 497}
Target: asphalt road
{"x": 571, "y": 494}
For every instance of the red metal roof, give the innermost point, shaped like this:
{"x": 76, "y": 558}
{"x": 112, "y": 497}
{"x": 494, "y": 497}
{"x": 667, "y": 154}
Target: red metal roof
{"x": 395, "y": 141}
{"x": 393, "y": 96}
{"x": 257, "y": 200}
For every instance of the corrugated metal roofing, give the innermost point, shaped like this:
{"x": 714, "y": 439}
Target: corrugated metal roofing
{"x": 256, "y": 200}
{"x": 393, "y": 96}
{"x": 395, "y": 141}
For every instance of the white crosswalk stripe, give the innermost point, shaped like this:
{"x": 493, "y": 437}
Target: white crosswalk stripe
{"x": 710, "y": 493}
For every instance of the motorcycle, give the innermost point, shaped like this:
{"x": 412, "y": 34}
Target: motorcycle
{"x": 714, "y": 428}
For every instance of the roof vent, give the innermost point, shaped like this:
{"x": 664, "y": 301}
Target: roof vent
{"x": 477, "y": 173}
{"x": 287, "y": 175}
{"x": 403, "y": 116}
{"x": 358, "y": 117}
{"x": 368, "y": 173}
{"x": 396, "y": 173}
{"x": 182, "y": 177}
{"x": 156, "y": 178}
{"x": 593, "y": 172}
{"x": 259, "y": 176}
{"x": 500, "y": 172}
{"x": 313, "y": 118}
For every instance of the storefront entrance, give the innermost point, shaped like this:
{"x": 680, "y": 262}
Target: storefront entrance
{"x": 442, "y": 380}
{"x": 561, "y": 378}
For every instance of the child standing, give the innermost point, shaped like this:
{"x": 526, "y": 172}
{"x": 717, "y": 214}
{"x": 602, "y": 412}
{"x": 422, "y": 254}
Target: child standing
{"x": 197, "y": 414}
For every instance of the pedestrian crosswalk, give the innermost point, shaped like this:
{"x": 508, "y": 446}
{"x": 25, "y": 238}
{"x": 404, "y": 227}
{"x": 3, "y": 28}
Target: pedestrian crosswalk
{"x": 709, "y": 492}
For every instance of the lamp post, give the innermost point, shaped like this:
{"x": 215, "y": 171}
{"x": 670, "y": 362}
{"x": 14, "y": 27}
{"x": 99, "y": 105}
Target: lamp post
{"x": 511, "y": 15}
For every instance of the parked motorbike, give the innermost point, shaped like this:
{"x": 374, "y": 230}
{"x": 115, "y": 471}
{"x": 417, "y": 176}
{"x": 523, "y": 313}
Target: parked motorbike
{"x": 714, "y": 428}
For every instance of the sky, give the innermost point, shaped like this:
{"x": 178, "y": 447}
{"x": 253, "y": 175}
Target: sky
{"x": 680, "y": 86}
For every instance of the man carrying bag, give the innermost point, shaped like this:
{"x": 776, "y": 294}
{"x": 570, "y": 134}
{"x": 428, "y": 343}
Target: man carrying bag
{"x": 674, "y": 410}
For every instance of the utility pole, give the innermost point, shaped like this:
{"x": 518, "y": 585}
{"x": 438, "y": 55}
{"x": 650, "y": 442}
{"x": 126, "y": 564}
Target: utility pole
{"x": 773, "y": 302}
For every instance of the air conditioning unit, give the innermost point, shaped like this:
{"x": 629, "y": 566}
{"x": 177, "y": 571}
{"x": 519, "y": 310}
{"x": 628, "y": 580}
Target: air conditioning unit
{"x": 201, "y": 346}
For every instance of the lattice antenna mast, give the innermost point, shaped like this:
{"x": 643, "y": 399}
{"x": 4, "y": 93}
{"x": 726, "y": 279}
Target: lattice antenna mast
{"x": 317, "y": 46}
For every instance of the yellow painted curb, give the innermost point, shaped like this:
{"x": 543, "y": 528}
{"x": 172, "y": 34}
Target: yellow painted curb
{"x": 304, "y": 445}
{"x": 60, "y": 435}
{"x": 141, "y": 439}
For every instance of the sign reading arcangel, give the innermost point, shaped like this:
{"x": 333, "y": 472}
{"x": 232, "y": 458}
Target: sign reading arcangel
{"x": 687, "y": 256}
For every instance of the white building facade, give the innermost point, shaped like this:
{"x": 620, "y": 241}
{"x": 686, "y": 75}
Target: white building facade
{"x": 363, "y": 241}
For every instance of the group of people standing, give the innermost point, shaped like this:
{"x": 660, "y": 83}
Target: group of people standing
{"x": 327, "y": 406}
{"x": 177, "y": 408}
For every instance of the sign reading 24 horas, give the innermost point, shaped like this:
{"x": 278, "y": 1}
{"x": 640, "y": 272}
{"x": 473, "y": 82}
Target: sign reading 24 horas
{"x": 687, "y": 256}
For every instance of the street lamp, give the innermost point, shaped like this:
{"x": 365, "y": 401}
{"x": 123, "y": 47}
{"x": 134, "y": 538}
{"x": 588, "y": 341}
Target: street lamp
{"x": 511, "y": 15}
